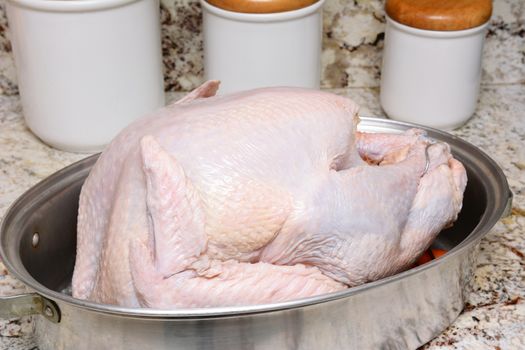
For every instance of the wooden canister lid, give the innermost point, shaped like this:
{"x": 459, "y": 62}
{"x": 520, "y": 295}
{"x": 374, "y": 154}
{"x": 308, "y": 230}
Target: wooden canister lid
{"x": 261, "y": 6}
{"x": 442, "y": 15}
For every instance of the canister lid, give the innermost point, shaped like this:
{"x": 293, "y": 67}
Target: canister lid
{"x": 261, "y": 6}
{"x": 441, "y": 15}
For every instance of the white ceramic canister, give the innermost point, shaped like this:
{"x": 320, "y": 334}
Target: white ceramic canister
{"x": 86, "y": 68}
{"x": 250, "y": 50}
{"x": 431, "y": 76}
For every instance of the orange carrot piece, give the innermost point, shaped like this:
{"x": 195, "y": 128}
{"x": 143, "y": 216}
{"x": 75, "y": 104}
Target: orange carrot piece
{"x": 424, "y": 258}
{"x": 438, "y": 252}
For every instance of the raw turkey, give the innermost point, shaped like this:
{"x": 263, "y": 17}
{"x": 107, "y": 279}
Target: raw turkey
{"x": 257, "y": 197}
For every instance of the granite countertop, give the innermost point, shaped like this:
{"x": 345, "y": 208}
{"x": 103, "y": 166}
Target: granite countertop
{"x": 494, "y": 316}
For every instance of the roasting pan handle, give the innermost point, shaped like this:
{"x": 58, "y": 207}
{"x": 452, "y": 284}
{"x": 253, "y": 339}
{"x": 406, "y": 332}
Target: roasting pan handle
{"x": 29, "y": 304}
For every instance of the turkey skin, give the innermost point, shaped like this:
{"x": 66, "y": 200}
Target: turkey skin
{"x": 256, "y": 197}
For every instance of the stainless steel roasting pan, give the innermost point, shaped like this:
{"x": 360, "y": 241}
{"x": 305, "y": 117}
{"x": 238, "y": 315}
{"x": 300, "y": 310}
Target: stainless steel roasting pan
{"x": 38, "y": 239}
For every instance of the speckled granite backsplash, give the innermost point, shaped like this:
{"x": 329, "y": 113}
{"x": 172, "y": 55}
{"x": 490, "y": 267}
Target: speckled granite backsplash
{"x": 353, "y": 41}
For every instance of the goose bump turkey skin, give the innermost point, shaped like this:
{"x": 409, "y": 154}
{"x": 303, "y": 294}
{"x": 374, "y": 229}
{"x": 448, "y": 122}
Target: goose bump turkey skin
{"x": 255, "y": 197}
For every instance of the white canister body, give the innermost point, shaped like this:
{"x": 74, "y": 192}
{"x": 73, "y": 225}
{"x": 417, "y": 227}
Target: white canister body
{"x": 247, "y": 50}
{"x": 86, "y": 69}
{"x": 431, "y": 77}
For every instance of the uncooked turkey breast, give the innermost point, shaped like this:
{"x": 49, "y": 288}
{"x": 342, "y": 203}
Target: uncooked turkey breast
{"x": 257, "y": 197}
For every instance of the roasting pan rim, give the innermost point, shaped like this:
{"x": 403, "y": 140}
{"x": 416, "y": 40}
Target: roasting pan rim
{"x": 71, "y": 173}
